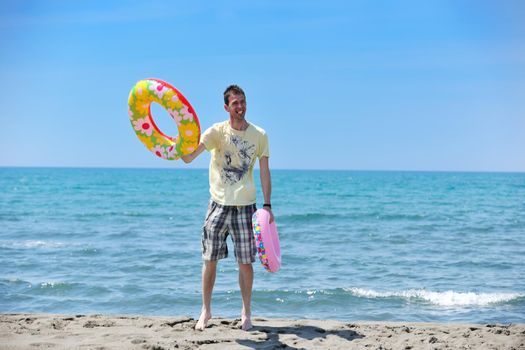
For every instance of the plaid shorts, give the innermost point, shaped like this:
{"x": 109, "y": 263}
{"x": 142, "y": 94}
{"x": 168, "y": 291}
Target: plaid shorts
{"x": 222, "y": 220}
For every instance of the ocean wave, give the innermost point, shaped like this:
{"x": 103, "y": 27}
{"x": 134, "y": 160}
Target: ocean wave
{"x": 88, "y": 216}
{"x": 14, "y": 281}
{"x": 11, "y": 217}
{"x": 31, "y": 244}
{"x": 447, "y": 298}
{"x": 308, "y": 217}
{"x": 56, "y": 285}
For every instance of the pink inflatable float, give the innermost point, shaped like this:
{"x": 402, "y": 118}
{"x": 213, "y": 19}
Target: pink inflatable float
{"x": 267, "y": 240}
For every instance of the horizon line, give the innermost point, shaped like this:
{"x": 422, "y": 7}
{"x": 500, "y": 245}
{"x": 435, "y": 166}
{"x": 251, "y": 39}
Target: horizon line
{"x": 277, "y": 169}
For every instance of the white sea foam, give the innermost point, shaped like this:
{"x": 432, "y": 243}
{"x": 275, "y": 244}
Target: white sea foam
{"x": 31, "y": 244}
{"x": 447, "y": 298}
{"x": 54, "y": 285}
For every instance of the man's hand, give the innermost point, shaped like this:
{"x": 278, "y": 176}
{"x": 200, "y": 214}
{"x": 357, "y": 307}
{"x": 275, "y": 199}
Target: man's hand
{"x": 269, "y": 210}
{"x": 188, "y": 158}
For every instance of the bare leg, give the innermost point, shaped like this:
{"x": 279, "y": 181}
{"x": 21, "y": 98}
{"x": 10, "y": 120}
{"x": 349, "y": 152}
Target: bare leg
{"x": 209, "y": 269}
{"x": 246, "y": 284}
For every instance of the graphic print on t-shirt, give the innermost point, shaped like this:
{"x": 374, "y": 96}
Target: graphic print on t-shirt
{"x": 237, "y": 160}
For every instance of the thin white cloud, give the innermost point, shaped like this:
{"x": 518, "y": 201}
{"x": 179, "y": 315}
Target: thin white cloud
{"x": 121, "y": 14}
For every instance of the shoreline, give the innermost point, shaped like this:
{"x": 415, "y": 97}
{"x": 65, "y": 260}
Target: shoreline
{"x": 53, "y": 331}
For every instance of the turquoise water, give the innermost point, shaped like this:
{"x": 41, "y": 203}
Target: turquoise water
{"x": 410, "y": 246}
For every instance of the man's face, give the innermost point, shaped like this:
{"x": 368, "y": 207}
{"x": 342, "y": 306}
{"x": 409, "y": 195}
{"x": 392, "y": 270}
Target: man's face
{"x": 236, "y": 106}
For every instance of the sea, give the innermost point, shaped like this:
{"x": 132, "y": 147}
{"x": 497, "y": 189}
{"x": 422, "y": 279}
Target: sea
{"x": 356, "y": 245}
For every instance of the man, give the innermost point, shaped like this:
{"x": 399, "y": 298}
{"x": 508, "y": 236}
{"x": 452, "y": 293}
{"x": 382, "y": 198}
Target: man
{"x": 234, "y": 145}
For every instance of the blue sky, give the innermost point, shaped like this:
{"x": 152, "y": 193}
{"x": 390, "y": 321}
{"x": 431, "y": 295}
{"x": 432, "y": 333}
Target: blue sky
{"x": 361, "y": 85}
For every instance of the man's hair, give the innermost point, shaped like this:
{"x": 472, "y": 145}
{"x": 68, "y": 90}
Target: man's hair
{"x": 232, "y": 90}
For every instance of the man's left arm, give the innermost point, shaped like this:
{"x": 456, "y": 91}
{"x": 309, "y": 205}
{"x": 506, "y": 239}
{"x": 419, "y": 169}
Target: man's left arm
{"x": 266, "y": 183}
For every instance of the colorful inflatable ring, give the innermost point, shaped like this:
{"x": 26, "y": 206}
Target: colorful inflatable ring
{"x": 154, "y": 90}
{"x": 266, "y": 240}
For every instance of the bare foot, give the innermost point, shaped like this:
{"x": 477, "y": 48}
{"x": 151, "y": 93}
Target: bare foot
{"x": 246, "y": 323}
{"x": 203, "y": 321}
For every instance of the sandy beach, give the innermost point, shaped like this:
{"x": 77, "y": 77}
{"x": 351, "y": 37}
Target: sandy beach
{"x": 46, "y": 331}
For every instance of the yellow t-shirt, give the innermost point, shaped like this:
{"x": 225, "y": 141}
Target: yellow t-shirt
{"x": 233, "y": 155}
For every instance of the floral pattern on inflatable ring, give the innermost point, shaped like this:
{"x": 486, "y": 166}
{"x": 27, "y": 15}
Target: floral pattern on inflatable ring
{"x": 263, "y": 257}
{"x": 139, "y": 102}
